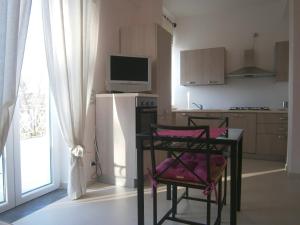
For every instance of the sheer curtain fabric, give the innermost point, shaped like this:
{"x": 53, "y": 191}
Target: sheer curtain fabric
{"x": 71, "y": 37}
{"x": 14, "y": 18}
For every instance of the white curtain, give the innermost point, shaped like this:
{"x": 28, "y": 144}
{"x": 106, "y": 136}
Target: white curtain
{"x": 14, "y": 18}
{"x": 71, "y": 37}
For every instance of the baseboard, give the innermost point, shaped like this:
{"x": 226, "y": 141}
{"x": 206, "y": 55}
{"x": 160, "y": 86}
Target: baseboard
{"x": 264, "y": 157}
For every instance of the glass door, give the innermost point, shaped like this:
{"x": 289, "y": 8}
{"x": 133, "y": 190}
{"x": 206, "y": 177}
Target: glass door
{"x": 34, "y": 168}
{"x": 28, "y": 168}
{"x": 7, "y": 191}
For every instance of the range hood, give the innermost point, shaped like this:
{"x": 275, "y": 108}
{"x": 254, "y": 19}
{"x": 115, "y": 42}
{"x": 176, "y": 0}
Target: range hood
{"x": 249, "y": 69}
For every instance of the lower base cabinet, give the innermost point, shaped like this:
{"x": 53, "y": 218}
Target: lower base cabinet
{"x": 272, "y": 136}
{"x": 271, "y": 146}
{"x": 247, "y": 122}
{"x": 265, "y": 133}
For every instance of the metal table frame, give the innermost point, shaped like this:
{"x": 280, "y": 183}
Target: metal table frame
{"x": 234, "y": 141}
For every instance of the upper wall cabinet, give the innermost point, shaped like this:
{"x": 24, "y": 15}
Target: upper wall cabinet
{"x": 202, "y": 66}
{"x": 282, "y": 60}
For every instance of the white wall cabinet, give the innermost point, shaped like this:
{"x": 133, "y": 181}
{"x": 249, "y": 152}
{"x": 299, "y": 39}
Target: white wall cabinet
{"x": 115, "y": 132}
{"x": 202, "y": 66}
{"x": 155, "y": 42}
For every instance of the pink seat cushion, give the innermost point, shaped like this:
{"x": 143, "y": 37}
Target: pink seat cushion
{"x": 213, "y": 133}
{"x": 180, "y": 133}
{"x": 196, "y": 163}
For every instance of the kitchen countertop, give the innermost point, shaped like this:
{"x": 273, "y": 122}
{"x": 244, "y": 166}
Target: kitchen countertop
{"x": 228, "y": 111}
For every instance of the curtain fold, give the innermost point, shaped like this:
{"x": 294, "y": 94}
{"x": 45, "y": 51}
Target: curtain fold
{"x": 14, "y": 19}
{"x": 71, "y": 36}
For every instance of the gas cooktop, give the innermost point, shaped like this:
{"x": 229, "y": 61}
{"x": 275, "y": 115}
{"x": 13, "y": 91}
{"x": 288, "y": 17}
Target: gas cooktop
{"x": 248, "y": 108}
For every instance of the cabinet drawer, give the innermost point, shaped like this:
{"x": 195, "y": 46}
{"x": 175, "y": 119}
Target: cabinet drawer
{"x": 272, "y": 117}
{"x": 272, "y": 144}
{"x": 272, "y": 128}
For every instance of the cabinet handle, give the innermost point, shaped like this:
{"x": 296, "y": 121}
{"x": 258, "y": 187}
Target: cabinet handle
{"x": 281, "y": 129}
{"x": 213, "y": 82}
{"x": 282, "y": 118}
{"x": 190, "y": 82}
{"x": 282, "y": 136}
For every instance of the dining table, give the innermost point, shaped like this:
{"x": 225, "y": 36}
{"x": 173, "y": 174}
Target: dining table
{"x": 233, "y": 139}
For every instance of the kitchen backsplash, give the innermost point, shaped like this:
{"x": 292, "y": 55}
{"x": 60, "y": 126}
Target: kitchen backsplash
{"x": 236, "y": 92}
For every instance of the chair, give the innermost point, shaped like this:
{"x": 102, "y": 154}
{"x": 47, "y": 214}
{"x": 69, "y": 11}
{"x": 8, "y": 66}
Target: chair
{"x": 220, "y": 126}
{"x": 191, "y": 164}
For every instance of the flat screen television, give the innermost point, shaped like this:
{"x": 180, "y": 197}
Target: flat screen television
{"x": 128, "y": 73}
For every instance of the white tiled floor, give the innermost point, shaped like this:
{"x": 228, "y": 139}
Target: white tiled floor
{"x": 269, "y": 197}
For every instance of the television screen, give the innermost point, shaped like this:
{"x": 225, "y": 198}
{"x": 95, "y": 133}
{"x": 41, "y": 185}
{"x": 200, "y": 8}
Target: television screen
{"x": 125, "y": 68}
{"x": 128, "y": 74}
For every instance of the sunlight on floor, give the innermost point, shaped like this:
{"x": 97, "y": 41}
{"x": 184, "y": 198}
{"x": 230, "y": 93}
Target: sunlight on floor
{"x": 246, "y": 175}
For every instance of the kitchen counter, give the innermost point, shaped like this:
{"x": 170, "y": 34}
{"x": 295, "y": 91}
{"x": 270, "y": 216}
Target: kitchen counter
{"x": 228, "y": 111}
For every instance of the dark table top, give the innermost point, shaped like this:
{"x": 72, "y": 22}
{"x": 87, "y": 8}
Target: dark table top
{"x": 232, "y": 136}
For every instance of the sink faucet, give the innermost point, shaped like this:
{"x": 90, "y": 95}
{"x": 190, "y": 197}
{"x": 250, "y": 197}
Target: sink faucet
{"x": 199, "y": 106}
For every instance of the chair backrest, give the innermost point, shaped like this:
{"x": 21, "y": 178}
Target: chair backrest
{"x": 177, "y": 141}
{"x": 222, "y": 122}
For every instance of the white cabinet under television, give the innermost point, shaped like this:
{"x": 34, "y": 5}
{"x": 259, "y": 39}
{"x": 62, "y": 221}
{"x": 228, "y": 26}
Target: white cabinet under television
{"x": 116, "y": 136}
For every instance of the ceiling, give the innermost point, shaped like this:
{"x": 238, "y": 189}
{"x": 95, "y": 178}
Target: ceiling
{"x": 182, "y": 8}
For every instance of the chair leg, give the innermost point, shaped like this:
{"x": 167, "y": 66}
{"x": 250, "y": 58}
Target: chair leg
{"x": 154, "y": 206}
{"x": 225, "y": 185}
{"x": 208, "y": 209}
{"x": 219, "y": 200}
{"x": 186, "y": 192}
{"x": 174, "y": 200}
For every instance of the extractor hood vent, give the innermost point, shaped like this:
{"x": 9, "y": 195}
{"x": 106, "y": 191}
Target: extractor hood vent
{"x": 250, "y": 69}
{"x": 251, "y": 72}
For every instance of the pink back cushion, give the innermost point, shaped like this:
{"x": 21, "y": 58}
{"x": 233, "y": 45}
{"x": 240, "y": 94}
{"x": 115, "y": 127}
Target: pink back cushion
{"x": 213, "y": 133}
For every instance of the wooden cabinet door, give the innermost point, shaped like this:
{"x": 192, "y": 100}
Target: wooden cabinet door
{"x": 202, "y": 66}
{"x": 272, "y": 131}
{"x": 181, "y": 119}
{"x": 138, "y": 40}
{"x": 163, "y": 71}
{"x": 282, "y": 60}
{"x": 273, "y": 146}
{"x": 246, "y": 121}
{"x": 191, "y": 66}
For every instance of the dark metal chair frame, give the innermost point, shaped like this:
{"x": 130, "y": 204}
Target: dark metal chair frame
{"x": 224, "y": 122}
{"x": 176, "y": 147}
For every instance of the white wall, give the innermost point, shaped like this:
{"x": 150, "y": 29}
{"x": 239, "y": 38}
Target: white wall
{"x": 233, "y": 30}
{"x": 294, "y": 91}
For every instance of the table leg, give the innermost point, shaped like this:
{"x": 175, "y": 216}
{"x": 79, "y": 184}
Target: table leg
{"x": 140, "y": 180}
{"x": 239, "y": 171}
{"x": 168, "y": 185}
{"x": 233, "y": 184}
